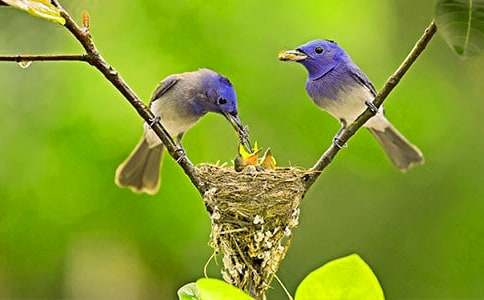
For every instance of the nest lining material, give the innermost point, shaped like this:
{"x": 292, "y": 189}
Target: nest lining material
{"x": 253, "y": 214}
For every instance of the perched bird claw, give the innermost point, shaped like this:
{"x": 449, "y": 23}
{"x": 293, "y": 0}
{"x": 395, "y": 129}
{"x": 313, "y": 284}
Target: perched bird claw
{"x": 180, "y": 153}
{"x": 154, "y": 121}
{"x": 337, "y": 142}
{"x": 372, "y": 107}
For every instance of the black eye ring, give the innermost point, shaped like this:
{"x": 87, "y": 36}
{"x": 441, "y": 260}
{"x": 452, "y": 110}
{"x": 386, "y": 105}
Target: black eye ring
{"x": 319, "y": 50}
{"x": 222, "y": 101}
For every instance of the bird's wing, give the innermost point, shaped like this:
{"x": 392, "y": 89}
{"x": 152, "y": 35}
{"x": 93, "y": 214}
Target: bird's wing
{"x": 164, "y": 87}
{"x": 362, "y": 79}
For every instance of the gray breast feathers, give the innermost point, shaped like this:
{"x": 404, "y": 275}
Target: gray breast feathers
{"x": 175, "y": 102}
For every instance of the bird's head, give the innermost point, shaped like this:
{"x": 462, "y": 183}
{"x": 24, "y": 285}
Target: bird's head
{"x": 222, "y": 99}
{"x": 318, "y": 56}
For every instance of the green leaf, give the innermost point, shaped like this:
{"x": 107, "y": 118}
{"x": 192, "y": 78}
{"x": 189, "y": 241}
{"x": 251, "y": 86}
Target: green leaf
{"x": 214, "y": 289}
{"x": 39, "y": 8}
{"x": 348, "y": 278}
{"x": 461, "y": 23}
{"x": 189, "y": 292}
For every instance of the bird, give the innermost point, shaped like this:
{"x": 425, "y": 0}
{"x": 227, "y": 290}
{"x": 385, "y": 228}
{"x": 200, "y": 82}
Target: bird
{"x": 178, "y": 102}
{"x": 338, "y": 86}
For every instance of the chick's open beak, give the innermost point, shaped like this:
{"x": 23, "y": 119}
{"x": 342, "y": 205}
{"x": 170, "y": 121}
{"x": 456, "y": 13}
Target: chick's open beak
{"x": 292, "y": 55}
{"x": 241, "y": 130}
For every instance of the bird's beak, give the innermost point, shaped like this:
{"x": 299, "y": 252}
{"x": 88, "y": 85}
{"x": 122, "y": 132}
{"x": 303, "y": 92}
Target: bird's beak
{"x": 241, "y": 130}
{"x": 292, "y": 55}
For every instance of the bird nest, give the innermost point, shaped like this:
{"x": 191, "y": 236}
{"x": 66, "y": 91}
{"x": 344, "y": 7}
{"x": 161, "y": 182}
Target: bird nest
{"x": 253, "y": 214}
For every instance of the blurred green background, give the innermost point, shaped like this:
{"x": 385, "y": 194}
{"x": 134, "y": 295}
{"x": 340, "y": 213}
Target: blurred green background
{"x": 67, "y": 232}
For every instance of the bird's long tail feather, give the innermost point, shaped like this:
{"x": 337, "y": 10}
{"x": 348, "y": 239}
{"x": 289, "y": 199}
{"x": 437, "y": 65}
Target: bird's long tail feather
{"x": 141, "y": 170}
{"x": 401, "y": 152}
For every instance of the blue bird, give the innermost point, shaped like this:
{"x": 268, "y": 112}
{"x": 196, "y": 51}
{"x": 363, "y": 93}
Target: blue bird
{"x": 338, "y": 86}
{"x": 178, "y": 103}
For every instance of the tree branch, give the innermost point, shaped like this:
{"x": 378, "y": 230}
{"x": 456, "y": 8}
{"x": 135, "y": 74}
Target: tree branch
{"x": 176, "y": 151}
{"x": 391, "y": 83}
{"x": 94, "y": 58}
{"x": 62, "y": 57}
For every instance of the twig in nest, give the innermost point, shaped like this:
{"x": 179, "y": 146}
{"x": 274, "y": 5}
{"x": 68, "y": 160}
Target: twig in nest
{"x": 253, "y": 215}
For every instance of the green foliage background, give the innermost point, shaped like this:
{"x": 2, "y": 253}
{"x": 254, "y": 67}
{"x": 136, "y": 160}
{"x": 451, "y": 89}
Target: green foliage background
{"x": 66, "y": 231}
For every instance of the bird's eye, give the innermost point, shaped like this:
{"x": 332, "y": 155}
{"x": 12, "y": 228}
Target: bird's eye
{"x": 319, "y": 50}
{"x": 222, "y": 101}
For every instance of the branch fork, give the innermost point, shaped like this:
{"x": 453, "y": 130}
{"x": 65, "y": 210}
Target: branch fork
{"x": 203, "y": 178}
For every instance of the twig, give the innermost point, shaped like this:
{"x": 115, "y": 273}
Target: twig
{"x": 289, "y": 296}
{"x": 94, "y": 58}
{"x": 176, "y": 151}
{"x": 391, "y": 83}
{"x": 62, "y": 57}
{"x": 205, "y": 273}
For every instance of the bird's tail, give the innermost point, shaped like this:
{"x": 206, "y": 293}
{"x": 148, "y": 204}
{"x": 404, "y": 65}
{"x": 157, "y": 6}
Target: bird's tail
{"x": 401, "y": 152}
{"x": 141, "y": 170}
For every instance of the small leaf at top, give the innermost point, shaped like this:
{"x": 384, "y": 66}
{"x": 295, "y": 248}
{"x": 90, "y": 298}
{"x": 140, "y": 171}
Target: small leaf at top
{"x": 39, "y": 8}
{"x": 461, "y": 23}
{"x": 189, "y": 292}
{"x": 348, "y": 278}
{"x": 214, "y": 289}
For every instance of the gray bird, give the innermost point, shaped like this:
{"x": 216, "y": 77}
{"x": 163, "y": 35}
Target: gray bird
{"x": 179, "y": 102}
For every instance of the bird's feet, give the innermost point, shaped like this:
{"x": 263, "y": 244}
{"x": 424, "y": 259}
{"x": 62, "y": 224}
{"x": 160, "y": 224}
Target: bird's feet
{"x": 344, "y": 124}
{"x": 372, "y": 107}
{"x": 154, "y": 120}
{"x": 180, "y": 154}
{"x": 338, "y": 143}
{"x": 336, "y": 140}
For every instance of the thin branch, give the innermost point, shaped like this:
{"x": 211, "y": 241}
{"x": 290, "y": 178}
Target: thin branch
{"x": 94, "y": 58}
{"x": 23, "y": 58}
{"x": 391, "y": 83}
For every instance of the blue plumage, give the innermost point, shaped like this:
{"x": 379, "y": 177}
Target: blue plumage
{"x": 336, "y": 84}
{"x": 179, "y": 102}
